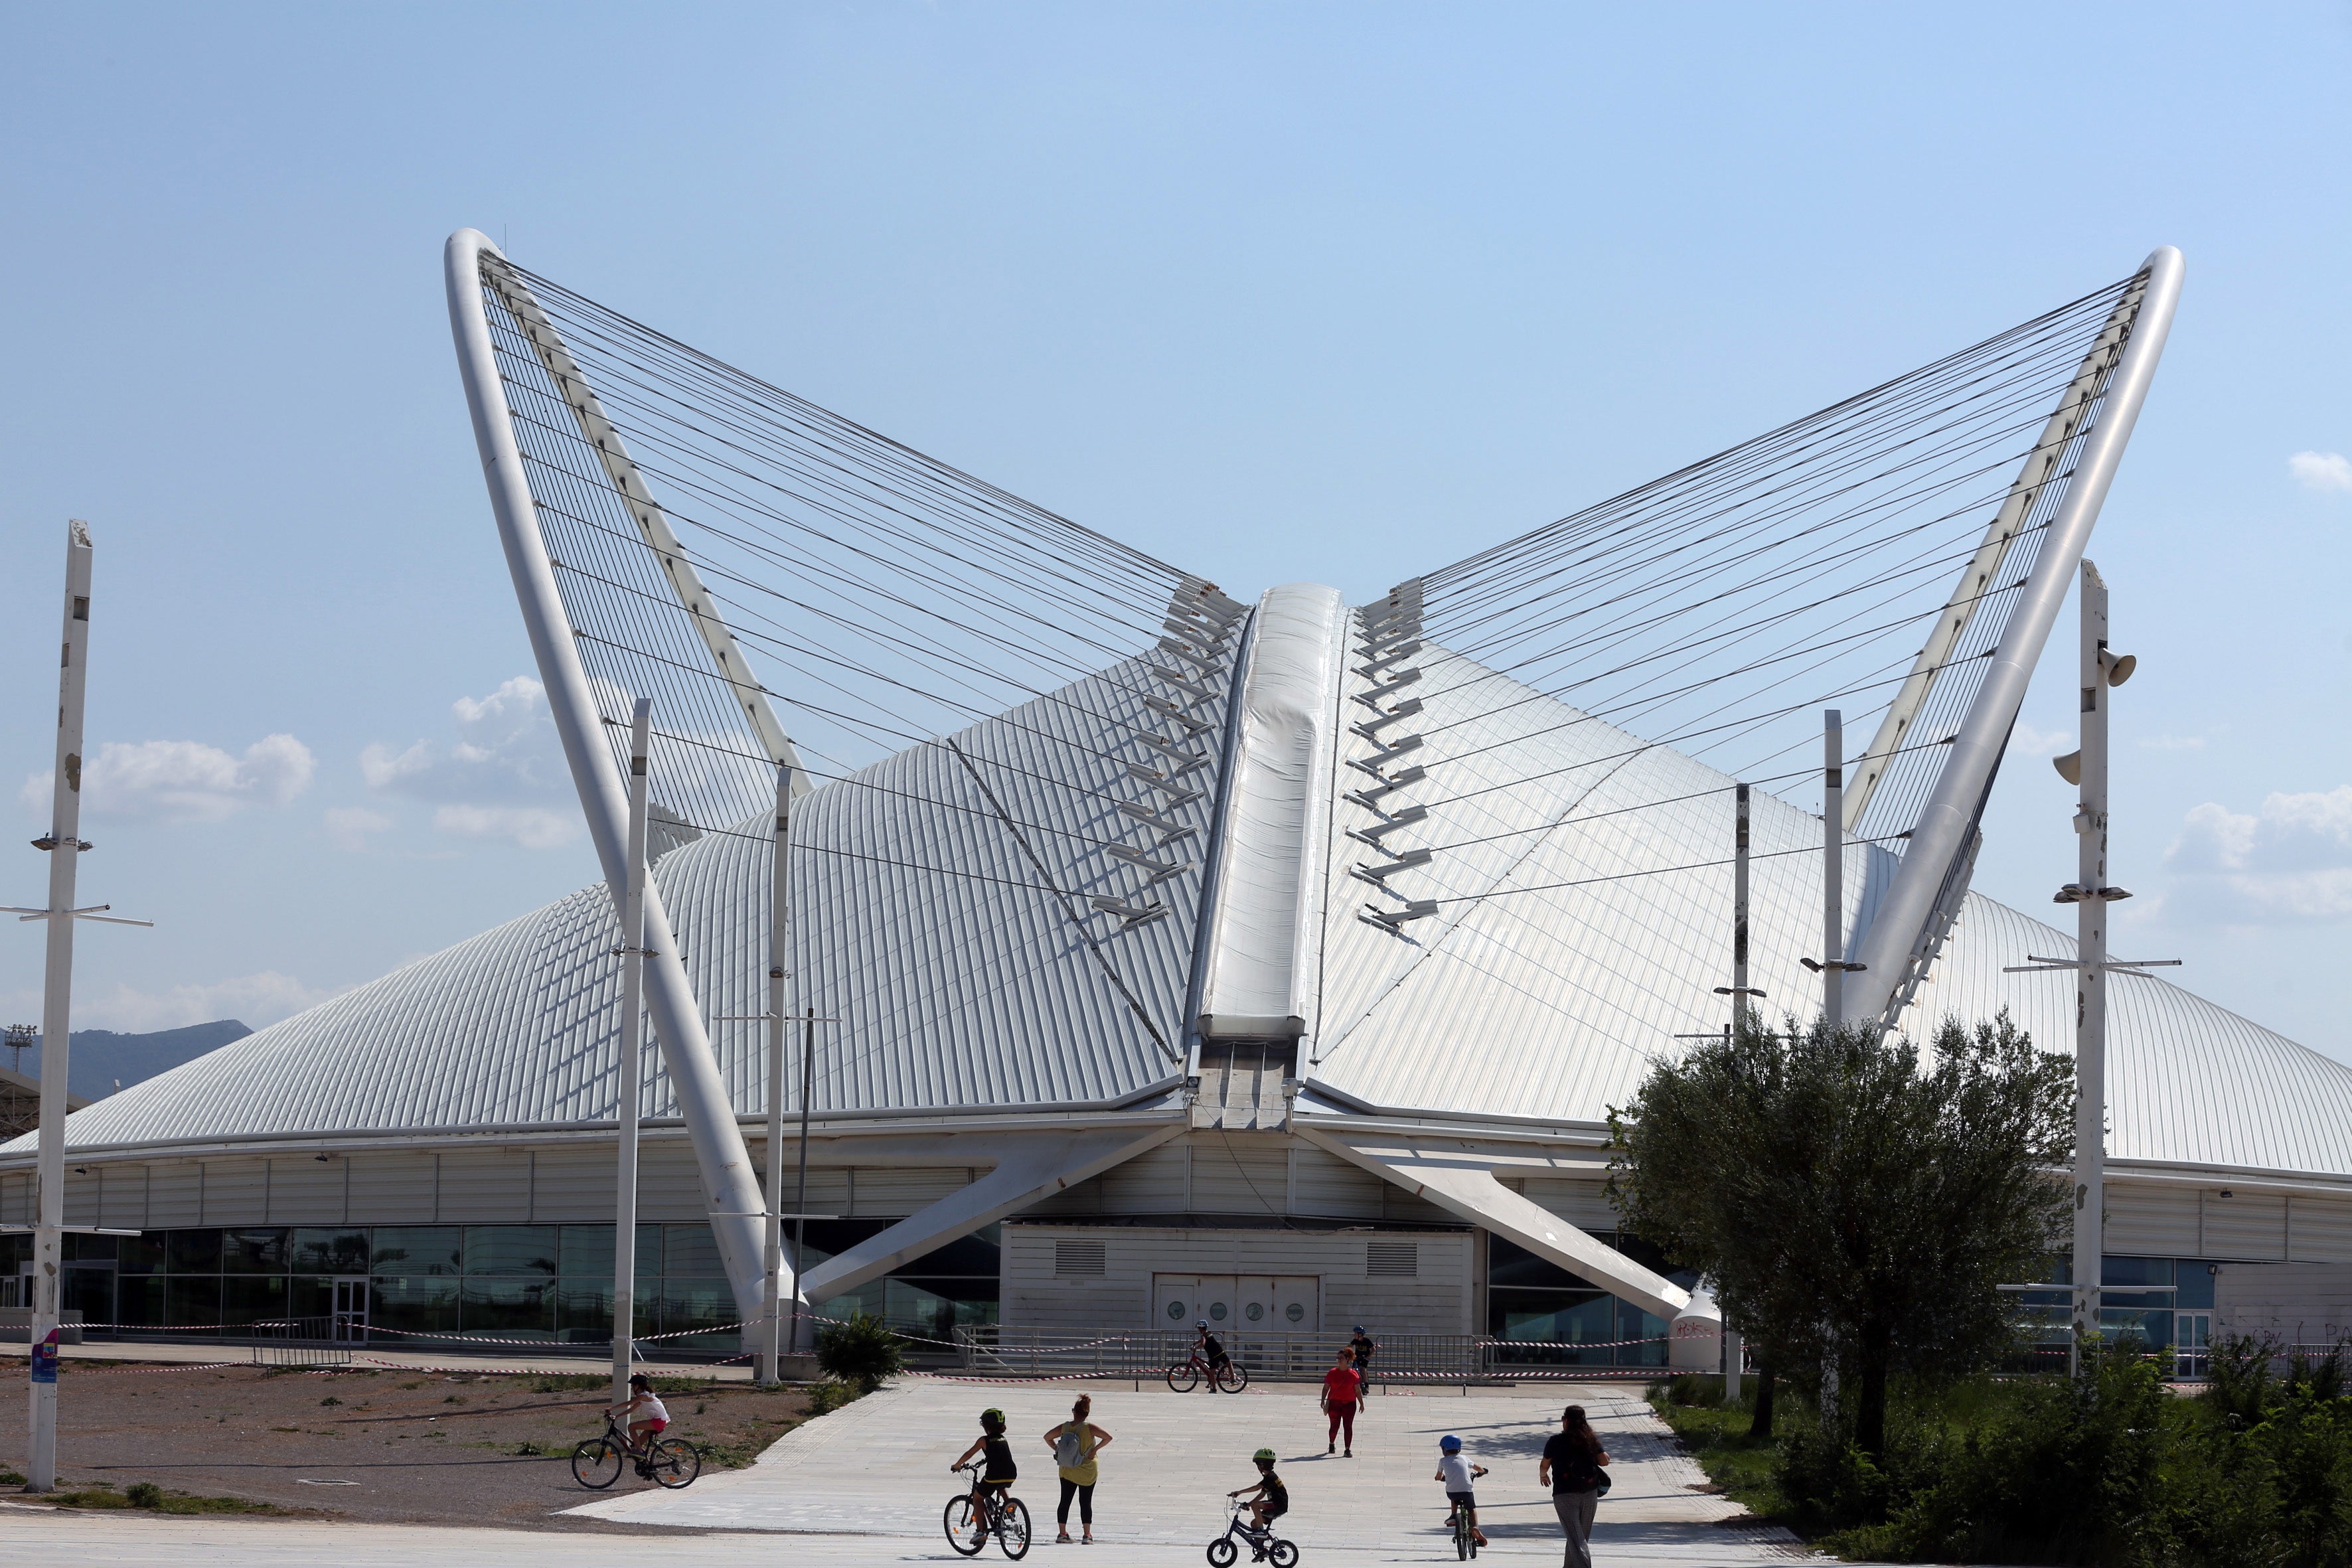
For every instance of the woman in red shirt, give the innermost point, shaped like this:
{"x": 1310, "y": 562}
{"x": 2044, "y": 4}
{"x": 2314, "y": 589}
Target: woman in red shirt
{"x": 1341, "y": 1390}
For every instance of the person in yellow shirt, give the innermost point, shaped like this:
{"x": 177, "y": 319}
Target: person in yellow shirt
{"x": 1075, "y": 1442}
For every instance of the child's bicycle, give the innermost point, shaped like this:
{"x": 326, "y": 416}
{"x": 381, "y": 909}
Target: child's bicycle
{"x": 667, "y": 1461}
{"x": 968, "y": 1525}
{"x": 1465, "y": 1539}
{"x": 1264, "y": 1544}
{"x": 1228, "y": 1374}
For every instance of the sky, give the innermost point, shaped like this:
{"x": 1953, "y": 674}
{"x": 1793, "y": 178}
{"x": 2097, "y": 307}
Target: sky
{"x": 1336, "y": 293}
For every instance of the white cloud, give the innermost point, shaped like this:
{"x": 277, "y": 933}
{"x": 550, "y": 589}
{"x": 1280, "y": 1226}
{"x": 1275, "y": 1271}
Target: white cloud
{"x": 502, "y": 777}
{"x": 532, "y": 827}
{"x": 256, "y": 999}
{"x": 351, "y": 825}
{"x": 184, "y": 781}
{"x": 2321, "y": 470}
{"x": 2028, "y": 742}
{"x": 2289, "y": 862}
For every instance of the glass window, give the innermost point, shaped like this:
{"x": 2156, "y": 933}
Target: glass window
{"x": 586, "y": 1252}
{"x": 687, "y": 1303}
{"x": 87, "y": 1248}
{"x": 510, "y": 1249}
{"x": 330, "y": 1251}
{"x": 138, "y": 1300}
{"x": 192, "y": 1302}
{"x": 516, "y": 1308}
{"x": 690, "y": 1249}
{"x": 247, "y": 1298}
{"x": 2129, "y": 1271}
{"x": 422, "y": 1303}
{"x": 310, "y": 1296}
{"x": 89, "y": 1289}
{"x": 417, "y": 1249}
{"x": 1556, "y": 1321}
{"x": 140, "y": 1254}
{"x": 193, "y": 1251}
{"x": 2196, "y": 1277}
{"x": 252, "y": 1251}
{"x": 583, "y": 1308}
{"x": 1510, "y": 1263}
{"x": 972, "y": 1256}
{"x": 1648, "y": 1331}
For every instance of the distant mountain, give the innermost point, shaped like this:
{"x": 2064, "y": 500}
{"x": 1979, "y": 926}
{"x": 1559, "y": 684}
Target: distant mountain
{"x": 101, "y": 1056}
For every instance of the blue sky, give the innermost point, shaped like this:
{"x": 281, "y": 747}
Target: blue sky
{"x": 1275, "y": 292}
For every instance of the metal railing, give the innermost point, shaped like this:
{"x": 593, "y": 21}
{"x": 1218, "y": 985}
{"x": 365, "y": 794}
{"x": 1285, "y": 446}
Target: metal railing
{"x": 303, "y": 1341}
{"x": 996, "y": 1349}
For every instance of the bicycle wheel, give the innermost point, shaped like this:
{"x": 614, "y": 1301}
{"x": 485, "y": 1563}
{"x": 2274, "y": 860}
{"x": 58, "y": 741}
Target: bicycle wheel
{"x": 966, "y": 1531}
{"x": 596, "y": 1464}
{"x": 1222, "y": 1551}
{"x": 1012, "y": 1528}
{"x": 1232, "y": 1377}
{"x": 674, "y": 1464}
{"x": 1282, "y": 1554}
{"x": 1183, "y": 1377}
{"x": 1461, "y": 1536}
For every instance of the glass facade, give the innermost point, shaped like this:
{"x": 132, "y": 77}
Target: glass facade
{"x": 1565, "y": 1320}
{"x": 2137, "y": 1296}
{"x": 546, "y": 1282}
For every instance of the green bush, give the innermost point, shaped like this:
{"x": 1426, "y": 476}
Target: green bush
{"x": 860, "y": 1352}
{"x": 145, "y": 1494}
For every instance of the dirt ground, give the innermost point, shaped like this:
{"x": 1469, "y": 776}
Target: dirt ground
{"x": 390, "y": 1445}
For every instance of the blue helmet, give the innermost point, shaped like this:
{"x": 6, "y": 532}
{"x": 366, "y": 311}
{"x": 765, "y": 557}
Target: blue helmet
{"x": 1449, "y": 1443}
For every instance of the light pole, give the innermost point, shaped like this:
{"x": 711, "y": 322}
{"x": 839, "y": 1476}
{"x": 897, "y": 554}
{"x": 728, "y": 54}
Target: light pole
{"x": 632, "y": 953}
{"x": 2091, "y": 894}
{"x": 65, "y": 845}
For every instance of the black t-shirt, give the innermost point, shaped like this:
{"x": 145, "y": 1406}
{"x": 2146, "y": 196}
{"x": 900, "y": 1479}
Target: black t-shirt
{"x": 1211, "y": 1349}
{"x": 999, "y": 1455}
{"x": 1278, "y": 1496}
{"x": 1572, "y": 1470}
{"x": 1363, "y": 1347}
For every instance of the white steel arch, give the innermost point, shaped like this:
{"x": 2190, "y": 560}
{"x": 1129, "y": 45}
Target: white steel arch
{"x": 728, "y": 1186}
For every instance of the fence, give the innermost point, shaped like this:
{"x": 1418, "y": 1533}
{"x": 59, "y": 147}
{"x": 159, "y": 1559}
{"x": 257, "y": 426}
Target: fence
{"x": 303, "y": 1341}
{"x": 996, "y": 1349}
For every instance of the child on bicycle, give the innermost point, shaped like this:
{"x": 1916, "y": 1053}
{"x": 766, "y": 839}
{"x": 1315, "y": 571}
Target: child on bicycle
{"x": 1207, "y": 1346}
{"x": 648, "y": 1415}
{"x": 1458, "y": 1474}
{"x": 1271, "y": 1498}
{"x": 997, "y": 1472}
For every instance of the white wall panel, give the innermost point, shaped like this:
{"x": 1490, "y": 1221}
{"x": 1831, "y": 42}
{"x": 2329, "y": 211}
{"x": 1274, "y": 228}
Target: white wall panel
{"x": 2154, "y": 1221}
{"x": 304, "y": 1190}
{"x": 1326, "y": 1186}
{"x": 175, "y": 1194}
{"x": 1237, "y": 1176}
{"x": 1151, "y": 1183}
{"x": 123, "y": 1201}
{"x": 2301, "y": 1303}
{"x": 2245, "y": 1225}
{"x": 884, "y": 1191}
{"x": 16, "y": 1200}
{"x": 236, "y": 1191}
{"x": 389, "y": 1187}
{"x": 669, "y": 1185}
{"x": 484, "y": 1186}
{"x": 1583, "y": 1203}
{"x": 82, "y": 1195}
{"x": 2320, "y": 1230}
{"x": 574, "y": 1183}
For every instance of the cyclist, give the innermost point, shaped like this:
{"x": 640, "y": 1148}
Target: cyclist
{"x": 998, "y": 1474}
{"x": 1458, "y": 1474}
{"x": 1363, "y": 1344}
{"x": 1207, "y": 1346}
{"x": 1272, "y": 1499}
{"x": 648, "y": 1415}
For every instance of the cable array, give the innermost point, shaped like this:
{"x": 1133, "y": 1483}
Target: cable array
{"x": 1866, "y": 556}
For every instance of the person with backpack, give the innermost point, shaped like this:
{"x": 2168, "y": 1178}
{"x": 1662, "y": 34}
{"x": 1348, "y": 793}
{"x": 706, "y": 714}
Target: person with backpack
{"x": 1572, "y": 1461}
{"x": 1075, "y": 1442}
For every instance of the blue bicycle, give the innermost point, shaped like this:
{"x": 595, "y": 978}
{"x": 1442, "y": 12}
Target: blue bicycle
{"x": 1264, "y": 1544}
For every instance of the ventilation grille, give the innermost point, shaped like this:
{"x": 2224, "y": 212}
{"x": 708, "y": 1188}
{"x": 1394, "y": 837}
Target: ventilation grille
{"x": 1072, "y": 1258}
{"x": 1392, "y": 1259}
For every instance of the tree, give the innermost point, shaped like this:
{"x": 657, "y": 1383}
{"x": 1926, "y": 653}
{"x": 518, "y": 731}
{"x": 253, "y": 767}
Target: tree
{"x": 1855, "y": 1208}
{"x": 859, "y": 1351}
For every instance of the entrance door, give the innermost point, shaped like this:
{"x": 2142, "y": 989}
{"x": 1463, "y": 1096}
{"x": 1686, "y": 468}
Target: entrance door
{"x": 2191, "y": 1330}
{"x": 351, "y": 1322}
{"x": 1181, "y": 1300}
{"x": 1246, "y": 1303}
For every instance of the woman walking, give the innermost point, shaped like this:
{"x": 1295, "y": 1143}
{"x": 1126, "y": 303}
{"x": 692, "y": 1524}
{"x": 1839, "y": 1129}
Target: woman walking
{"x": 1573, "y": 1457}
{"x": 1342, "y": 1391}
{"x": 1075, "y": 1442}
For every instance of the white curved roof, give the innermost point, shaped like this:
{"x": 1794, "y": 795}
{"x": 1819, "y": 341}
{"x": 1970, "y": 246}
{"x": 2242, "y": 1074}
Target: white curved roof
{"x": 922, "y": 922}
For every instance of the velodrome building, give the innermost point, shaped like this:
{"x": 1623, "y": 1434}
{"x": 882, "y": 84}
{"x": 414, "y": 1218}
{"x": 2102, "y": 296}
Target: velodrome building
{"x": 1299, "y": 1079}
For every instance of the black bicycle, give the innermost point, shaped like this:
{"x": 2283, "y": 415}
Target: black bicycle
{"x": 1466, "y": 1538}
{"x": 1264, "y": 1544}
{"x": 666, "y": 1461}
{"x": 970, "y": 1522}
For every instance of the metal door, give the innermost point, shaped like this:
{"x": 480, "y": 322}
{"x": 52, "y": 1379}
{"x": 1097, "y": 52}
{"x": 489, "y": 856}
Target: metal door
{"x": 350, "y": 1321}
{"x": 1179, "y": 1300}
{"x": 1298, "y": 1302}
{"x": 2191, "y": 1330}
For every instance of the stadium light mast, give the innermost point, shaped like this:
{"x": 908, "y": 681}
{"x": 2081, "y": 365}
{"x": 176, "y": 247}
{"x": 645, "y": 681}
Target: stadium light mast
{"x": 633, "y": 975}
{"x": 65, "y": 845}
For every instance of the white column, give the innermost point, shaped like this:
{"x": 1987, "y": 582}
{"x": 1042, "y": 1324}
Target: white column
{"x": 2090, "y": 979}
{"x": 65, "y": 846}
{"x": 1833, "y": 866}
{"x": 632, "y": 1078}
{"x": 1740, "y": 989}
{"x": 771, "y": 1333}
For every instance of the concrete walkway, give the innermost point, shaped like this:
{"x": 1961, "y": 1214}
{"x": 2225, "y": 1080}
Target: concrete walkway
{"x": 879, "y": 1467}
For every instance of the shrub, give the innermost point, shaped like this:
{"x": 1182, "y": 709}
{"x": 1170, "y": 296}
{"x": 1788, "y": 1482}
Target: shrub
{"x": 145, "y": 1494}
{"x": 860, "y": 1352}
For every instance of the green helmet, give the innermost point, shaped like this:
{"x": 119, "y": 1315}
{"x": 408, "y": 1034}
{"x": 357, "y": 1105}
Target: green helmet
{"x": 1263, "y": 1456}
{"x": 992, "y": 1416}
